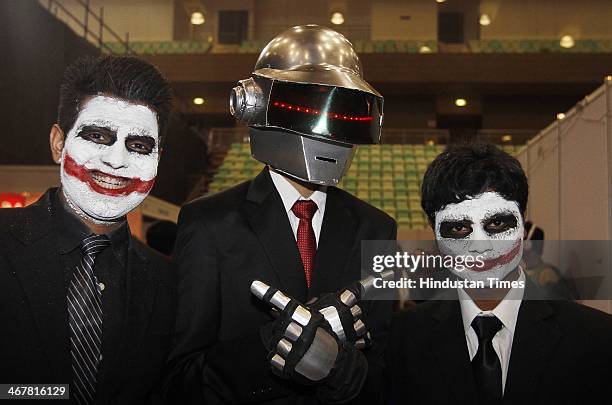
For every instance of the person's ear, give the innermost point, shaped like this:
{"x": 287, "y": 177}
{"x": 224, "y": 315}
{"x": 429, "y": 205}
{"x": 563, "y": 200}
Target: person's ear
{"x": 56, "y": 142}
{"x": 161, "y": 150}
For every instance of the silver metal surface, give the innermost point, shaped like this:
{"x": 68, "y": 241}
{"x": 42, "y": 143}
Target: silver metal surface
{"x": 356, "y": 311}
{"x": 320, "y": 357}
{"x": 284, "y": 347}
{"x": 333, "y": 318}
{"x": 279, "y": 300}
{"x": 307, "y": 159}
{"x": 278, "y": 362}
{"x": 367, "y": 284}
{"x": 293, "y": 331}
{"x": 259, "y": 288}
{"x": 360, "y": 327}
{"x": 301, "y": 315}
{"x": 312, "y": 54}
{"x": 246, "y": 100}
{"x": 348, "y": 298}
{"x": 361, "y": 343}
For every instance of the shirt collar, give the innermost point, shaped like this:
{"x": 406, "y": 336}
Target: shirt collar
{"x": 506, "y": 311}
{"x": 290, "y": 195}
{"x": 72, "y": 230}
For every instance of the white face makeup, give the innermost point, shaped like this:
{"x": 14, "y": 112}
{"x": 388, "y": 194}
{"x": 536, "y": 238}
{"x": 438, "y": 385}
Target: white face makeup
{"x": 110, "y": 156}
{"x": 487, "y": 225}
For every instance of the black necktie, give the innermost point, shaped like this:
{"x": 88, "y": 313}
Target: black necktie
{"x": 85, "y": 318}
{"x": 486, "y": 365}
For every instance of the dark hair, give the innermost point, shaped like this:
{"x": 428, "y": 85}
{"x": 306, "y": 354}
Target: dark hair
{"x": 469, "y": 170}
{"x": 124, "y": 77}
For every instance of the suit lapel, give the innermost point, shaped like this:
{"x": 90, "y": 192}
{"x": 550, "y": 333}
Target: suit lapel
{"x": 266, "y": 215}
{"x": 449, "y": 346}
{"x": 336, "y": 242}
{"x": 535, "y": 340}
{"x": 41, "y": 274}
{"x": 141, "y": 287}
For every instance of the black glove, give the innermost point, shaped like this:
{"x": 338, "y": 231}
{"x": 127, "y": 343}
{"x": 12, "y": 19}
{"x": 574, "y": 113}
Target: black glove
{"x": 302, "y": 346}
{"x": 344, "y": 313}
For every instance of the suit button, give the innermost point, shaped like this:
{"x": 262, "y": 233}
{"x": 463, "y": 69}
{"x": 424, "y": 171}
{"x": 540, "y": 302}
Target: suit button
{"x": 102, "y": 286}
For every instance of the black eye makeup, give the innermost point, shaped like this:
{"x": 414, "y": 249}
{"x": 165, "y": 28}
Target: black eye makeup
{"x": 456, "y": 229}
{"x": 143, "y": 145}
{"x": 99, "y": 135}
{"x": 499, "y": 223}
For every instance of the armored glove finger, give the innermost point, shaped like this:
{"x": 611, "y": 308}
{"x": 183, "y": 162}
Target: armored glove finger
{"x": 345, "y": 315}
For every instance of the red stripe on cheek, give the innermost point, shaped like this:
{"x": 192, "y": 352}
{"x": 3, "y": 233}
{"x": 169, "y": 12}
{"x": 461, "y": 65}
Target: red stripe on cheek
{"x": 501, "y": 260}
{"x": 72, "y": 168}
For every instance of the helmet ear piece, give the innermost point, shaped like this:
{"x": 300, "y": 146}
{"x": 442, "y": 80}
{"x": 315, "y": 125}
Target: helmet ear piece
{"x": 247, "y": 100}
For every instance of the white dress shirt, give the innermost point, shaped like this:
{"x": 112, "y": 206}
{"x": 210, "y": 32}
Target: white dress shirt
{"x": 506, "y": 311}
{"x": 290, "y": 195}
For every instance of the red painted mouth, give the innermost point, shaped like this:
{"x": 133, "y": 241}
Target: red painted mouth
{"x": 104, "y": 183}
{"x": 499, "y": 261}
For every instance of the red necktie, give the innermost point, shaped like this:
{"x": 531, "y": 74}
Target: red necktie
{"x": 306, "y": 242}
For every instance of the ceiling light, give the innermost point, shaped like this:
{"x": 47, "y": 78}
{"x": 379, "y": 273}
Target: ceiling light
{"x": 337, "y": 18}
{"x": 567, "y": 41}
{"x": 506, "y": 138}
{"x": 460, "y": 102}
{"x": 485, "y": 20}
{"x": 560, "y": 116}
{"x": 440, "y": 1}
{"x": 198, "y": 101}
{"x": 197, "y": 18}
{"x": 425, "y": 49}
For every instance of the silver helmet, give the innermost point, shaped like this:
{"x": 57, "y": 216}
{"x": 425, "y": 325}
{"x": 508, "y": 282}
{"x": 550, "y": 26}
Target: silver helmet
{"x": 307, "y": 105}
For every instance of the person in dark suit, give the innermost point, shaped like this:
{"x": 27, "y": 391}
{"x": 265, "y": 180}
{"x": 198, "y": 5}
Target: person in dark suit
{"x": 289, "y": 228}
{"x": 493, "y": 344}
{"x": 83, "y": 302}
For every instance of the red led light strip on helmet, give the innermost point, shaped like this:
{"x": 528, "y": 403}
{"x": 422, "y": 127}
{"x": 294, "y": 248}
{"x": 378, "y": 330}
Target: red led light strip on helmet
{"x": 312, "y": 111}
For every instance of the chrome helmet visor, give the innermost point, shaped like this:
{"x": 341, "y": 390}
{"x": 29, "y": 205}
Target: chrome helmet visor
{"x": 328, "y": 112}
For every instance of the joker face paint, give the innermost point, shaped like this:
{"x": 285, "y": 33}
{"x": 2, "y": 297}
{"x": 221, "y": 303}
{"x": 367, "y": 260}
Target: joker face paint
{"x": 487, "y": 225}
{"x": 109, "y": 160}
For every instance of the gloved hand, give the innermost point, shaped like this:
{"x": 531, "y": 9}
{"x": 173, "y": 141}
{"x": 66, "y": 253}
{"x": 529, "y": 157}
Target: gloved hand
{"x": 301, "y": 344}
{"x": 343, "y": 312}
{"x": 306, "y": 343}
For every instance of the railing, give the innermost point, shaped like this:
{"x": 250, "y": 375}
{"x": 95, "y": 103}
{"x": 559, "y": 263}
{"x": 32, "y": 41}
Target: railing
{"x": 506, "y": 136}
{"x": 54, "y": 6}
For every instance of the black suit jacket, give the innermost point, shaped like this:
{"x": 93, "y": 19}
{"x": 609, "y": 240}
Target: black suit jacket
{"x": 227, "y": 240}
{"x": 561, "y": 354}
{"x": 34, "y": 337}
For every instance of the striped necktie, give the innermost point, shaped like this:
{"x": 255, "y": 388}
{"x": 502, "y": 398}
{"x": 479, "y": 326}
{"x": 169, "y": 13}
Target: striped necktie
{"x": 85, "y": 319}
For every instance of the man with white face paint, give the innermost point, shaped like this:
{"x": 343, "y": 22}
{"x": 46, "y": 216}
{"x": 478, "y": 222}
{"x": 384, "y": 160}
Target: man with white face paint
{"x": 86, "y": 304}
{"x": 486, "y": 226}
{"x": 492, "y": 345}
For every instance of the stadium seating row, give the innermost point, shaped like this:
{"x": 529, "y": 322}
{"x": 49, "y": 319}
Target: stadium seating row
{"x": 388, "y": 46}
{"x": 539, "y": 45}
{"x": 387, "y": 176}
{"x": 159, "y": 47}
